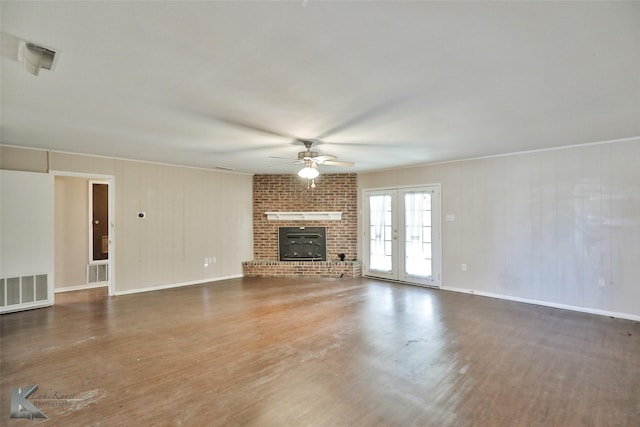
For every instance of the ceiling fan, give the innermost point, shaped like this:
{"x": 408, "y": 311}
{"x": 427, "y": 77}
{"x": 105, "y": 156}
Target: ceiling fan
{"x": 311, "y": 160}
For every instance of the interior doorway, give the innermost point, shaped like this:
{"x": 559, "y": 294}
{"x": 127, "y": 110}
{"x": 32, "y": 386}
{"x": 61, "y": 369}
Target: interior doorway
{"x": 84, "y": 223}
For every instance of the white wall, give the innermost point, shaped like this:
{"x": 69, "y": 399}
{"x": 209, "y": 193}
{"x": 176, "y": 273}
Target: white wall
{"x": 26, "y": 224}
{"x": 543, "y": 226}
{"x": 26, "y": 240}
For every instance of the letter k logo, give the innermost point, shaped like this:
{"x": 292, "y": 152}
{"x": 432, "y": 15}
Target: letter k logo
{"x": 21, "y": 407}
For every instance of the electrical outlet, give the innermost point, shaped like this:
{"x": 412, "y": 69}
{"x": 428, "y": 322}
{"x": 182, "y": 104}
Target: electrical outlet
{"x": 463, "y": 267}
{"x": 601, "y": 282}
{"x": 212, "y": 260}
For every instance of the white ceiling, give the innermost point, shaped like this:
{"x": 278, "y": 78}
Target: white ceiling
{"x": 383, "y": 84}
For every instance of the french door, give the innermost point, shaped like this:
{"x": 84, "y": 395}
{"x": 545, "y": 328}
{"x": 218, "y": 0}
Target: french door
{"x": 402, "y": 234}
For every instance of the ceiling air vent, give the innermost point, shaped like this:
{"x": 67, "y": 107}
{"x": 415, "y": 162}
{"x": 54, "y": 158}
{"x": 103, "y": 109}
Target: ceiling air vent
{"x": 31, "y": 55}
{"x": 35, "y": 57}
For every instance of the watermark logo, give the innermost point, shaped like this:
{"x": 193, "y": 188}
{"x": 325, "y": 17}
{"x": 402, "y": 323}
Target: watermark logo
{"x": 20, "y": 405}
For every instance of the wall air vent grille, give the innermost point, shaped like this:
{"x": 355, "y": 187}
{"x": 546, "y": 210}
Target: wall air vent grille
{"x": 97, "y": 273}
{"x": 25, "y": 289}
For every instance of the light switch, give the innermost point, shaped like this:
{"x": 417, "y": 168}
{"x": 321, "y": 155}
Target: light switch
{"x": 450, "y": 217}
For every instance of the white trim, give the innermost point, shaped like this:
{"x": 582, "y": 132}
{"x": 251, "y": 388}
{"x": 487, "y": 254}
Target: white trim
{"x": 364, "y": 172}
{"x": 403, "y": 282}
{"x": 177, "y": 285}
{"x": 404, "y": 187}
{"x": 298, "y": 216}
{"x": 111, "y": 274}
{"x": 150, "y": 162}
{"x": 512, "y": 153}
{"x": 24, "y": 306}
{"x": 616, "y": 314}
{"x": 86, "y": 175}
{"x": 82, "y": 287}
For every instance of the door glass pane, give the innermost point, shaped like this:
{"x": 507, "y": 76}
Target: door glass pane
{"x": 100, "y": 221}
{"x": 380, "y": 253}
{"x": 417, "y": 209}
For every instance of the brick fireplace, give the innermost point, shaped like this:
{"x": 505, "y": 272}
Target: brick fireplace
{"x": 334, "y": 194}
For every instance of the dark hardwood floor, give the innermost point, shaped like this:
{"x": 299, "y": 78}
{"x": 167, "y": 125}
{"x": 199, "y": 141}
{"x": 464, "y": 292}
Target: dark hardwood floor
{"x": 284, "y": 352}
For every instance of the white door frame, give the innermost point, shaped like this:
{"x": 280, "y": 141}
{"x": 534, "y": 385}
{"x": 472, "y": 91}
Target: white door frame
{"x": 391, "y": 274}
{"x": 436, "y": 218}
{"x": 111, "y": 181}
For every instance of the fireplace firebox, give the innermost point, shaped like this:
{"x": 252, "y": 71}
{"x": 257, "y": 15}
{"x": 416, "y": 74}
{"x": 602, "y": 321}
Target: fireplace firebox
{"x": 302, "y": 243}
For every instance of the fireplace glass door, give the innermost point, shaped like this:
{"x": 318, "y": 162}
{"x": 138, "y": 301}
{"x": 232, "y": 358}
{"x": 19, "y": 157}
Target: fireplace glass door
{"x": 402, "y": 235}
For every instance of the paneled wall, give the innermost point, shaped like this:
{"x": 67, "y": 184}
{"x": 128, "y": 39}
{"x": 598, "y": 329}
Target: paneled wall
{"x": 289, "y": 193}
{"x": 561, "y": 226}
{"x": 191, "y": 214}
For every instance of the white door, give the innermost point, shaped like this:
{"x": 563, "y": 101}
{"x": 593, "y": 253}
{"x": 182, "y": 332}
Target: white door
{"x": 402, "y": 234}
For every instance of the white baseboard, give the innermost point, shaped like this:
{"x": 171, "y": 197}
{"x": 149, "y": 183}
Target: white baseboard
{"x": 627, "y": 316}
{"x": 81, "y": 287}
{"x": 176, "y": 285}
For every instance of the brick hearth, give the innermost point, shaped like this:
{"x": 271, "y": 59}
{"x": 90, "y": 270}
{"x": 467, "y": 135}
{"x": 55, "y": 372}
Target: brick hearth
{"x": 336, "y": 269}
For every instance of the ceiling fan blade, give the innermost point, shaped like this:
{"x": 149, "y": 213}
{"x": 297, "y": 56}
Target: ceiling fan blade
{"x": 244, "y": 149}
{"x": 374, "y": 144}
{"x": 337, "y": 163}
{"x": 323, "y": 158}
{"x": 369, "y": 114}
{"x": 278, "y": 157}
{"x": 242, "y": 124}
{"x": 297, "y": 162}
{"x": 237, "y": 123}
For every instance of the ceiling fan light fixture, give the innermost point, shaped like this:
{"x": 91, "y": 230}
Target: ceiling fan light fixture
{"x": 309, "y": 171}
